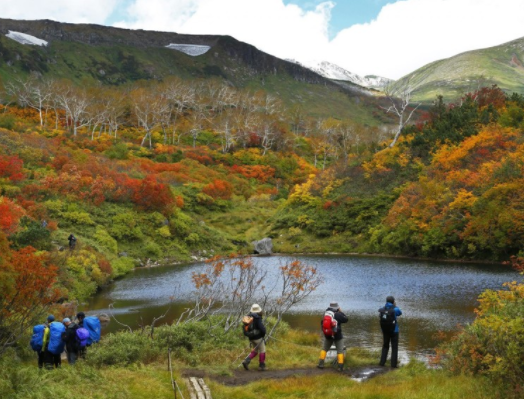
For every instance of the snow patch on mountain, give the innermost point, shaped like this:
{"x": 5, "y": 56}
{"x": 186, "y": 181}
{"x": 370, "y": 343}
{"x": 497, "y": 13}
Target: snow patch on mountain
{"x": 334, "y": 72}
{"x": 190, "y": 49}
{"x": 24, "y": 38}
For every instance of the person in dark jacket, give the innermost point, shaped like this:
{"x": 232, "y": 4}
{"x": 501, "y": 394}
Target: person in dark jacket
{"x": 390, "y": 334}
{"x": 71, "y": 343}
{"x": 257, "y": 341}
{"x": 336, "y": 338}
{"x": 72, "y": 241}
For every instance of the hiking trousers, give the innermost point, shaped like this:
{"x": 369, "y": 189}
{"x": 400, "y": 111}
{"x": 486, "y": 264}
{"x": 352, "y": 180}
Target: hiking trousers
{"x": 339, "y": 344}
{"x": 258, "y": 345}
{"x": 393, "y": 339}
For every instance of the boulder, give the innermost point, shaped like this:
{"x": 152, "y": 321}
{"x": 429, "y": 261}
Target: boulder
{"x": 263, "y": 247}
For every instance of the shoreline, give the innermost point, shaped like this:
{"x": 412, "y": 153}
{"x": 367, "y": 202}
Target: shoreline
{"x": 356, "y": 254}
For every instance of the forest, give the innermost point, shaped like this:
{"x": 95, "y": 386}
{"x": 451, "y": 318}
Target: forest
{"x": 175, "y": 171}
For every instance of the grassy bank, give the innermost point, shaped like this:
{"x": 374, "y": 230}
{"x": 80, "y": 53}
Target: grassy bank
{"x": 132, "y": 365}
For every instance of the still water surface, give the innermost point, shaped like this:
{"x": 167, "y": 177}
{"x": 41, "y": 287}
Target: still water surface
{"x": 433, "y": 296}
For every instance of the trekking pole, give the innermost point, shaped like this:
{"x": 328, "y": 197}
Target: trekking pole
{"x": 173, "y": 383}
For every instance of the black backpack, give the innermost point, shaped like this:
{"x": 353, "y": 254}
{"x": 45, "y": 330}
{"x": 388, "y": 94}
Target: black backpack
{"x": 388, "y": 319}
{"x": 248, "y": 327}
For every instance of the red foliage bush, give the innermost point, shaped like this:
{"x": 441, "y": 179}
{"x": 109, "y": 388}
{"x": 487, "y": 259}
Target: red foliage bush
{"x": 218, "y": 189}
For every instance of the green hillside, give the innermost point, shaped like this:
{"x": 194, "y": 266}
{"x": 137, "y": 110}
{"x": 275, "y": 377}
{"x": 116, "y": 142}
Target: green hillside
{"x": 111, "y": 56}
{"x": 452, "y": 77}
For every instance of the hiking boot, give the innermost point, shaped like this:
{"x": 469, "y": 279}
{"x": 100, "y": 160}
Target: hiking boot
{"x": 245, "y": 363}
{"x": 262, "y": 367}
{"x": 320, "y": 364}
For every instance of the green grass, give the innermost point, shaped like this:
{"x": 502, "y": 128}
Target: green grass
{"x": 292, "y": 349}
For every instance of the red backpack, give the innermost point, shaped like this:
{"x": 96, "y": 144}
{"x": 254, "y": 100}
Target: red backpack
{"x": 329, "y": 324}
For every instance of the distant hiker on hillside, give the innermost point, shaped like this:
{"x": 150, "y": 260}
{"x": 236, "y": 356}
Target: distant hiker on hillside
{"x": 72, "y": 241}
{"x": 389, "y": 326}
{"x": 332, "y": 330}
{"x": 255, "y": 330}
{"x": 70, "y": 340}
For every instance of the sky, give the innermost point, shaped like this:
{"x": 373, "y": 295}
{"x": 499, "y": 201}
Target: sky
{"x": 389, "y": 38}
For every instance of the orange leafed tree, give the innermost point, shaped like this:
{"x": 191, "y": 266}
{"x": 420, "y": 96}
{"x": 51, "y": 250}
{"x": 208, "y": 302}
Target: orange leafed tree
{"x": 30, "y": 293}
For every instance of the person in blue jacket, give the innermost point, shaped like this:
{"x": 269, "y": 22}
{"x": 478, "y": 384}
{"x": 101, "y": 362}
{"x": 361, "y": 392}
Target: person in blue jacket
{"x": 390, "y": 332}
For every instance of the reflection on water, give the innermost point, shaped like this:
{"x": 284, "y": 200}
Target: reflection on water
{"x": 433, "y": 296}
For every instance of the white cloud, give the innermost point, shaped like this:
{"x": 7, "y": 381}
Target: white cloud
{"x": 286, "y": 31}
{"x": 411, "y": 33}
{"x": 74, "y": 11}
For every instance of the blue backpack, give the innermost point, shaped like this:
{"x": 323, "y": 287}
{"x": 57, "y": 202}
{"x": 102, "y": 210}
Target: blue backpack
{"x": 37, "y": 340}
{"x": 56, "y": 345}
{"x": 92, "y": 324}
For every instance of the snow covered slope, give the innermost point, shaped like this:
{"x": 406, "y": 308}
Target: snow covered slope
{"x": 190, "y": 49}
{"x": 332, "y": 71}
{"x": 24, "y": 38}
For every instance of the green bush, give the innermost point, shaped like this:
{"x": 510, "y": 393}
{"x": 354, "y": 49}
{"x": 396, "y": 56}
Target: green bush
{"x": 118, "y": 151}
{"x": 78, "y": 218}
{"x": 126, "y": 227}
{"x": 102, "y": 237}
{"x": 122, "y": 349}
{"x": 7, "y": 121}
{"x": 493, "y": 345}
{"x": 152, "y": 249}
{"x": 122, "y": 266}
{"x": 31, "y": 233}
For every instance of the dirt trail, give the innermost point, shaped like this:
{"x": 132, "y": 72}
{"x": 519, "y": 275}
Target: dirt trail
{"x": 243, "y": 377}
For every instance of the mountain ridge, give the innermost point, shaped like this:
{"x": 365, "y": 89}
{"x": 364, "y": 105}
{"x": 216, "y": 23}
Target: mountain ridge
{"x": 500, "y": 65}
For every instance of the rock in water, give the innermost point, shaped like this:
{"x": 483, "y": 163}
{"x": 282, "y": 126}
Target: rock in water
{"x": 264, "y": 246}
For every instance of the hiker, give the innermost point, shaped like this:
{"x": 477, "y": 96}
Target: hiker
{"x": 37, "y": 340}
{"x": 332, "y": 330}
{"x": 256, "y": 338}
{"x": 389, "y": 326}
{"x": 70, "y": 340}
{"x": 72, "y": 241}
{"x": 80, "y": 316}
{"x": 53, "y": 344}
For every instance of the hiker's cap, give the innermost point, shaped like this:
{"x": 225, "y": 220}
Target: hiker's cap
{"x": 50, "y": 318}
{"x": 256, "y": 308}
{"x": 390, "y": 299}
{"x": 66, "y": 320}
{"x": 334, "y": 305}
{"x": 80, "y": 315}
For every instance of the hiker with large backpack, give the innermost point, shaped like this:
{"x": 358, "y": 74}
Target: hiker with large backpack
{"x": 331, "y": 325}
{"x": 255, "y": 330}
{"x": 70, "y": 340}
{"x": 88, "y": 333}
{"x": 53, "y": 344}
{"x": 37, "y": 340}
{"x": 388, "y": 323}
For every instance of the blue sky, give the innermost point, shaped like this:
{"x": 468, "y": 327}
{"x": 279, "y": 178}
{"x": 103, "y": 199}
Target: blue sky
{"x": 347, "y": 12}
{"x": 388, "y": 38}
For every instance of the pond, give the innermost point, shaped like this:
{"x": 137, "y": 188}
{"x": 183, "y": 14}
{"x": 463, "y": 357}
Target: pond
{"x": 433, "y": 296}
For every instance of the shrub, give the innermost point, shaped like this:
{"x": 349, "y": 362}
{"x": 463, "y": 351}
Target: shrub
{"x": 122, "y": 266}
{"x": 152, "y": 249}
{"x": 7, "y": 121}
{"x": 78, "y": 218}
{"x": 123, "y": 348}
{"x": 125, "y": 226}
{"x": 103, "y": 238}
{"x": 493, "y": 345}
